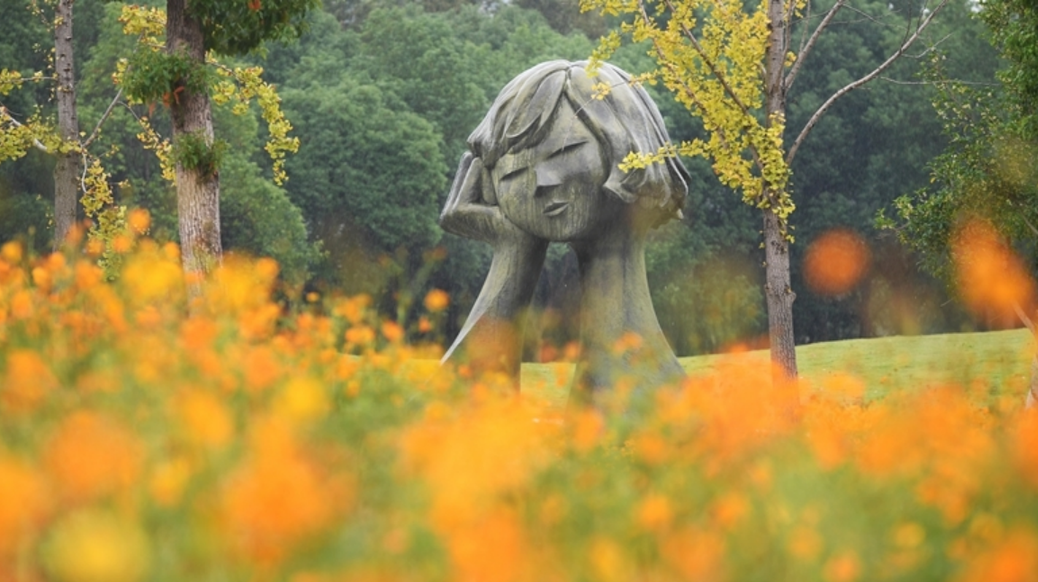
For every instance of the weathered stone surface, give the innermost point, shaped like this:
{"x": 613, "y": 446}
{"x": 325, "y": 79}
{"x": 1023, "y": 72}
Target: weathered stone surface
{"x": 543, "y": 167}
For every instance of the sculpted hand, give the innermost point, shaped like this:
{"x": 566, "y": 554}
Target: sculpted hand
{"x": 467, "y": 214}
{"x": 495, "y": 323}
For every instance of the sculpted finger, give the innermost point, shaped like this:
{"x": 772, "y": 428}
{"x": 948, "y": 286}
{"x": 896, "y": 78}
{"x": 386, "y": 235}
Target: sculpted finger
{"x": 471, "y": 190}
{"x": 464, "y": 210}
{"x": 460, "y": 176}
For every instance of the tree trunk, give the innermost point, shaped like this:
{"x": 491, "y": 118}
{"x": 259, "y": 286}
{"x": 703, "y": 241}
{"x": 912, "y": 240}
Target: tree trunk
{"x": 198, "y": 190}
{"x": 66, "y": 171}
{"x": 779, "y": 295}
{"x": 777, "y": 291}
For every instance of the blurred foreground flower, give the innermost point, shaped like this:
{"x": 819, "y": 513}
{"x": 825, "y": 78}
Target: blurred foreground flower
{"x": 94, "y": 545}
{"x": 992, "y": 280}
{"x": 835, "y": 262}
{"x": 437, "y": 300}
{"x": 250, "y": 440}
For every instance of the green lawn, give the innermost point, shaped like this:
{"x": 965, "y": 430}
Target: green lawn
{"x": 995, "y": 361}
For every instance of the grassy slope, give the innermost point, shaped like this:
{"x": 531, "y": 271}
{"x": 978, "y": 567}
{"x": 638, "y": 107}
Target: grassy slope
{"x": 995, "y": 361}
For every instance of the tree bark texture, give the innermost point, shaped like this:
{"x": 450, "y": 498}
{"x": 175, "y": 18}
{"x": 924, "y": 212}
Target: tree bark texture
{"x": 198, "y": 192}
{"x": 777, "y": 290}
{"x": 779, "y": 295}
{"x": 66, "y": 170}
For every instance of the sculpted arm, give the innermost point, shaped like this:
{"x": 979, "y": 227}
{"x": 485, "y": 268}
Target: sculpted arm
{"x": 492, "y": 337}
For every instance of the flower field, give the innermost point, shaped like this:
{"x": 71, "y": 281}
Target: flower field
{"x": 247, "y": 442}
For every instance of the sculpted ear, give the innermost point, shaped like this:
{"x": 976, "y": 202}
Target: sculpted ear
{"x": 618, "y": 181}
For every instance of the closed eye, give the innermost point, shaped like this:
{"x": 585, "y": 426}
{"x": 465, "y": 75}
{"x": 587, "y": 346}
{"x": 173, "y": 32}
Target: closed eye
{"x": 514, "y": 173}
{"x": 567, "y": 148}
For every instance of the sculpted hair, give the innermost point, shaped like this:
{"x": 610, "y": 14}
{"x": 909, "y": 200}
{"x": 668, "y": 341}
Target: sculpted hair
{"x": 625, "y": 120}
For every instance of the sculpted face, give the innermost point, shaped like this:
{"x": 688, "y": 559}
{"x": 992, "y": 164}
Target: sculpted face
{"x": 554, "y": 189}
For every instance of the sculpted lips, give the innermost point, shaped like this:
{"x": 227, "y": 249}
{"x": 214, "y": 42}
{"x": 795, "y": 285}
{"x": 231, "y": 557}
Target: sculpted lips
{"x": 555, "y": 208}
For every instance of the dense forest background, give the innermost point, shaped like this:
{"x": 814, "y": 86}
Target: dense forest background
{"x": 382, "y": 95}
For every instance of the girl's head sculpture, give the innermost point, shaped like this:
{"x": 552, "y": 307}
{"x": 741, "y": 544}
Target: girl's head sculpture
{"x": 550, "y": 151}
{"x": 543, "y": 167}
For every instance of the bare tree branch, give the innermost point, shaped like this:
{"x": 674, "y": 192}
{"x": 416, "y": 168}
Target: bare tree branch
{"x": 35, "y": 142}
{"x": 104, "y": 117}
{"x": 941, "y": 82}
{"x": 909, "y": 40}
{"x": 806, "y": 49}
{"x": 82, "y": 177}
{"x": 803, "y": 30}
{"x": 866, "y": 16}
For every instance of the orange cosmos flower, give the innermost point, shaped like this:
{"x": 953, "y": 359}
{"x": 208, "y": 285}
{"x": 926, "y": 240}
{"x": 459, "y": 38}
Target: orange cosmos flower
{"x": 992, "y": 280}
{"x": 139, "y": 220}
{"x": 276, "y": 499}
{"x": 91, "y": 455}
{"x": 1012, "y": 559}
{"x": 206, "y": 420}
{"x": 360, "y": 335}
{"x": 804, "y": 543}
{"x": 27, "y": 381}
{"x": 11, "y": 252}
{"x": 437, "y": 300}
{"x": 654, "y": 513}
{"x": 261, "y": 367}
{"x": 353, "y": 309}
{"x": 695, "y": 554}
{"x": 392, "y": 331}
{"x": 836, "y": 262}
{"x": 424, "y": 325}
{"x": 843, "y": 567}
{"x": 22, "y": 504}
{"x": 491, "y": 548}
{"x": 122, "y": 244}
{"x": 95, "y": 246}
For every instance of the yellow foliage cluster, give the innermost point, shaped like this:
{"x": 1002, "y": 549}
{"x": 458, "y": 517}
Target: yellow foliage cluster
{"x": 240, "y": 85}
{"x": 710, "y": 55}
{"x": 252, "y": 441}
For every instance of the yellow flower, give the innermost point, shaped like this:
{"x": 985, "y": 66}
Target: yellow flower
{"x": 11, "y": 252}
{"x": 93, "y": 545}
{"x": 303, "y": 400}
{"x": 168, "y": 481}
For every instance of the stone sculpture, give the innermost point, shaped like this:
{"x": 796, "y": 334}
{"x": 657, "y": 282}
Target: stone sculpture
{"x": 543, "y": 167}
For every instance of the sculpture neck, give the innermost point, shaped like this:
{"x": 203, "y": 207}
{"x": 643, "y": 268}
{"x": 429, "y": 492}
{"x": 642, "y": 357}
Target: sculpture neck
{"x": 620, "y": 333}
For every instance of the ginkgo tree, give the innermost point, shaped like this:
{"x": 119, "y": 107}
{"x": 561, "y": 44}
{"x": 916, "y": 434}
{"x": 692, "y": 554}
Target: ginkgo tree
{"x": 173, "y": 65}
{"x": 181, "y": 74}
{"x": 62, "y": 140}
{"x": 731, "y": 63}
